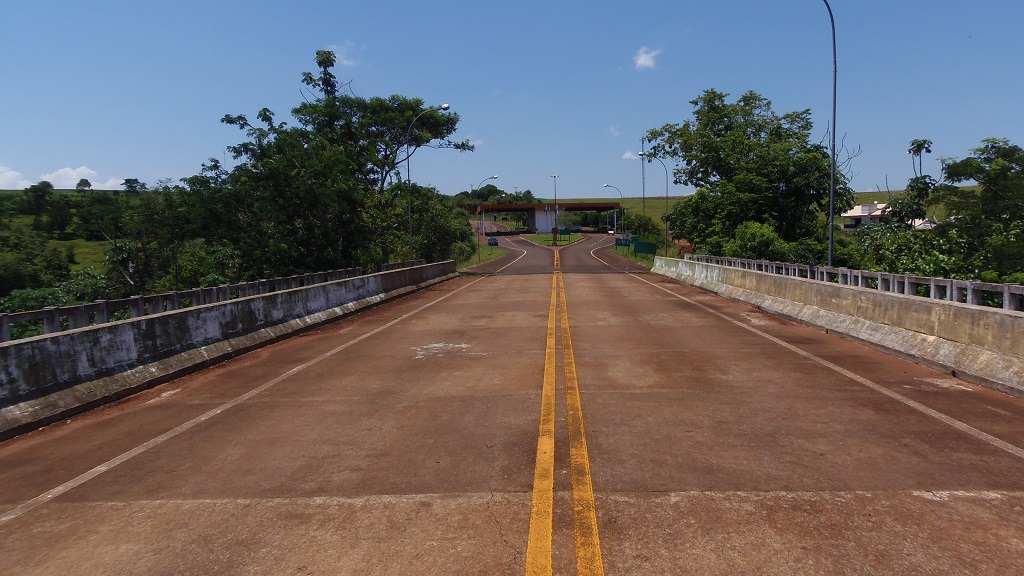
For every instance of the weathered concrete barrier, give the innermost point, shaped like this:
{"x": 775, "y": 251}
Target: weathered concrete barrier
{"x": 979, "y": 343}
{"x": 46, "y": 378}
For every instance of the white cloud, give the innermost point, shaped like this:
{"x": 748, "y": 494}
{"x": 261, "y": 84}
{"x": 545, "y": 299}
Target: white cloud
{"x": 630, "y": 155}
{"x": 67, "y": 178}
{"x": 345, "y": 54}
{"x": 112, "y": 184}
{"x": 614, "y": 131}
{"x": 645, "y": 57}
{"x": 11, "y": 180}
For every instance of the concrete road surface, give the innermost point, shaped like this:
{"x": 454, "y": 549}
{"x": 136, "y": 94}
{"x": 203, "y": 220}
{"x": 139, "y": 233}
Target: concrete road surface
{"x": 558, "y": 413}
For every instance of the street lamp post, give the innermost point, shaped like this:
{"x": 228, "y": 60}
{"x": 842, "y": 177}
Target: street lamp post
{"x": 554, "y": 178}
{"x": 615, "y": 226}
{"x": 643, "y": 179}
{"x": 408, "y": 178}
{"x": 666, "y": 197}
{"x": 832, "y": 179}
{"x": 481, "y": 211}
{"x": 479, "y": 249}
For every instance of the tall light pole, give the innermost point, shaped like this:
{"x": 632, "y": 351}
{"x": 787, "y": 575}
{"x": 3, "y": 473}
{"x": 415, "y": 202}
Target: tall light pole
{"x": 643, "y": 180}
{"x": 481, "y": 204}
{"x": 832, "y": 179}
{"x": 408, "y": 179}
{"x": 666, "y": 197}
{"x": 554, "y": 178}
{"x": 615, "y": 226}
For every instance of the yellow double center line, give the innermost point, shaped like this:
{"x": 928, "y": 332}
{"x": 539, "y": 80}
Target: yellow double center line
{"x": 588, "y": 543}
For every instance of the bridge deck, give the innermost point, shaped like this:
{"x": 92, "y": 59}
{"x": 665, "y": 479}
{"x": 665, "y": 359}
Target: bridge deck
{"x": 459, "y": 430}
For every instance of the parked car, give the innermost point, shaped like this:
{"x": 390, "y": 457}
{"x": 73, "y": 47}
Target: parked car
{"x": 492, "y": 241}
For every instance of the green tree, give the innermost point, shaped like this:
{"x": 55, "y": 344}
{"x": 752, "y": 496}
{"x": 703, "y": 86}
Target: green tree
{"x": 989, "y": 215}
{"x": 896, "y": 248}
{"x": 99, "y": 215}
{"x": 134, "y": 185}
{"x": 918, "y": 147}
{"x": 26, "y": 261}
{"x": 642, "y": 226}
{"x": 37, "y": 201}
{"x": 982, "y": 236}
{"x": 441, "y": 232}
{"x": 60, "y": 217}
{"x": 998, "y": 169}
{"x": 748, "y": 165}
{"x": 758, "y": 241}
{"x": 910, "y": 205}
{"x": 326, "y": 192}
{"x": 83, "y": 185}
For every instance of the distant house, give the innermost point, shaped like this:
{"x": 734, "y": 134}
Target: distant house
{"x": 863, "y": 214}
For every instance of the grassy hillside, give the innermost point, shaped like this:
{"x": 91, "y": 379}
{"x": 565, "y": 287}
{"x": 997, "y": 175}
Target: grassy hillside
{"x": 84, "y": 253}
{"x": 655, "y": 205}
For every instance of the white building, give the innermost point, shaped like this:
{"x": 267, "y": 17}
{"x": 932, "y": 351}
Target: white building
{"x": 863, "y": 214}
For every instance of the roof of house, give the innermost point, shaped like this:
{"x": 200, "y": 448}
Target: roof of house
{"x": 864, "y": 210}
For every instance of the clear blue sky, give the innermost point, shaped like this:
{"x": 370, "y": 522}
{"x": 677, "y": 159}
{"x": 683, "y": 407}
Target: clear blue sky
{"x": 115, "y": 90}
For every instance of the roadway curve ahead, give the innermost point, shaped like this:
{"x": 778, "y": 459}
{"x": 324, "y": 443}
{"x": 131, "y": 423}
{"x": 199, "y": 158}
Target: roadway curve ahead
{"x": 584, "y": 419}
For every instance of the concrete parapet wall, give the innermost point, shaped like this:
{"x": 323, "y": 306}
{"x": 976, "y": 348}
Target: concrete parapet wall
{"x": 46, "y": 378}
{"x": 979, "y": 343}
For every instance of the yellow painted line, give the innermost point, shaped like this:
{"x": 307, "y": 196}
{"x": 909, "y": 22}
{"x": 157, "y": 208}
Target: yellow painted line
{"x": 538, "y": 548}
{"x": 588, "y": 541}
{"x": 584, "y": 511}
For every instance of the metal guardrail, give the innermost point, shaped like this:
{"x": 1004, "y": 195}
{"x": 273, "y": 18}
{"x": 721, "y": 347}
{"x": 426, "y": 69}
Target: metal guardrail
{"x": 61, "y": 318}
{"x": 1006, "y": 296}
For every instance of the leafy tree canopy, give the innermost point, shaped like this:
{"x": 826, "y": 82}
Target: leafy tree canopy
{"x": 997, "y": 166}
{"x": 328, "y": 191}
{"x": 989, "y": 216}
{"x": 749, "y": 165}
{"x": 321, "y": 191}
{"x": 134, "y": 185}
{"x": 982, "y": 236}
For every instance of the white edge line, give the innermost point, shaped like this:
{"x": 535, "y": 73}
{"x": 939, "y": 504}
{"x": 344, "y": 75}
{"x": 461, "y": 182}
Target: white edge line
{"x": 85, "y": 477}
{"x": 514, "y": 247}
{"x": 980, "y": 435}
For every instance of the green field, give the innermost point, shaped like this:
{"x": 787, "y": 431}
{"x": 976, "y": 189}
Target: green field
{"x": 654, "y": 206}
{"x": 645, "y": 259}
{"x": 86, "y": 254}
{"x": 486, "y": 254}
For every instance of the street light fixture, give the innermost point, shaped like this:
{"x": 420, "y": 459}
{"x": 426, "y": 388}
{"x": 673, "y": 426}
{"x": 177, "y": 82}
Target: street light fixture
{"x": 554, "y": 179}
{"x": 666, "y": 196}
{"x": 832, "y": 179}
{"x": 643, "y": 179}
{"x": 481, "y": 205}
{"x": 615, "y": 226}
{"x": 408, "y": 178}
{"x": 485, "y": 180}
